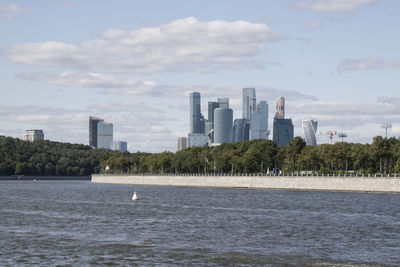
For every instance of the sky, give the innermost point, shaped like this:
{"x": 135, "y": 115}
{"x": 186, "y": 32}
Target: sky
{"x": 133, "y": 63}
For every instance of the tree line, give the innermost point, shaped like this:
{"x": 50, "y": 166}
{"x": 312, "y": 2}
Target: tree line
{"x": 255, "y": 156}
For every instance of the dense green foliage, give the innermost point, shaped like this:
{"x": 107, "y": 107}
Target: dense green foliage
{"x": 54, "y": 158}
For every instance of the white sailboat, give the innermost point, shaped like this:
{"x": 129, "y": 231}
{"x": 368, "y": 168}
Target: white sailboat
{"x": 134, "y": 197}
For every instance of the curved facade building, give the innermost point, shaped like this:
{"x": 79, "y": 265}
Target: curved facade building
{"x": 223, "y": 118}
{"x": 309, "y": 130}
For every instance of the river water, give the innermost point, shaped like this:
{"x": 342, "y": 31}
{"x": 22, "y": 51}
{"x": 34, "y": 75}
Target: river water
{"x": 81, "y": 223}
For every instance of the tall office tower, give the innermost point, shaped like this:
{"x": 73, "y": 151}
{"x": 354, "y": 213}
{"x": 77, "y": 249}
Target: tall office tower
{"x": 280, "y": 108}
{"x": 223, "y": 102}
{"x": 104, "y": 135}
{"x": 210, "y": 123}
{"x": 241, "y": 129}
{"x": 211, "y": 107}
{"x": 197, "y": 139}
{"x": 223, "y": 118}
{"x": 93, "y": 121}
{"x": 33, "y": 135}
{"x": 259, "y": 122}
{"x": 309, "y": 130}
{"x": 195, "y": 113}
{"x": 283, "y": 131}
{"x": 249, "y": 102}
{"x": 203, "y": 122}
{"x": 182, "y": 143}
{"x": 121, "y": 146}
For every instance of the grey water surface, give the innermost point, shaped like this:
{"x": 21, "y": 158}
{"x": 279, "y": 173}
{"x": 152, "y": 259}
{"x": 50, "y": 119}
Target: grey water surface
{"x": 80, "y": 223}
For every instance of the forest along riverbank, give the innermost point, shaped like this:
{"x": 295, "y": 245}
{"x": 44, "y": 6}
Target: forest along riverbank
{"x": 320, "y": 183}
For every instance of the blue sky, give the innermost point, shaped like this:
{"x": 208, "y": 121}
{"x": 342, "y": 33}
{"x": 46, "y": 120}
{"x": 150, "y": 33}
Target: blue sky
{"x": 133, "y": 63}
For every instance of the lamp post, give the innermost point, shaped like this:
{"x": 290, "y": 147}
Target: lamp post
{"x": 386, "y": 126}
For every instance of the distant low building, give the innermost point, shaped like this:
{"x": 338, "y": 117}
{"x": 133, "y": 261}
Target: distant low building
{"x": 197, "y": 139}
{"x": 182, "y": 143}
{"x": 33, "y": 135}
{"x": 121, "y": 146}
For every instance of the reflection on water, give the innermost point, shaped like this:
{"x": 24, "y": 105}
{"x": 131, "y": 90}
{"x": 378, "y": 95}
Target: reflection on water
{"x": 77, "y": 222}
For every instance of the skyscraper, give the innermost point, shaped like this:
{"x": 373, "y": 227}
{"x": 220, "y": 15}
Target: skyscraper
{"x": 241, "y": 129}
{"x": 223, "y": 102}
{"x": 33, "y": 135}
{"x": 283, "y": 131}
{"x": 259, "y": 122}
{"x": 280, "y": 108}
{"x": 210, "y": 123}
{"x": 104, "y": 135}
{"x": 93, "y": 121}
{"x": 195, "y": 113}
{"x": 197, "y": 135}
{"x": 309, "y": 130}
{"x": 249, "y": 102}
{"x": 223, "y": 118}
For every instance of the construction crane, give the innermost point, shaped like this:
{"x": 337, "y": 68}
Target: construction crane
{"x": 330, "y": 134}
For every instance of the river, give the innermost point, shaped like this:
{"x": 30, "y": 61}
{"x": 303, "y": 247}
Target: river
{"x": 83, "y": 223}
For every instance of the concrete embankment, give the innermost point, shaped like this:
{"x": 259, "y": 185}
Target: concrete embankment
{"x": 38, "y": 177}
{"x": 360, "y": 184}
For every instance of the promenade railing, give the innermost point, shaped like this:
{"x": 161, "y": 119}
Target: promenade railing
{"x": 367, "y": 176}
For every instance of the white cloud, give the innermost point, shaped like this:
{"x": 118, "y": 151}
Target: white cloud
{"x": 181, "y": 45}
{"x": 331, "y": 5}
{"x": 9, "y": 11}
{"x": 368, "y": 63}
{"x": 120, "y": 85}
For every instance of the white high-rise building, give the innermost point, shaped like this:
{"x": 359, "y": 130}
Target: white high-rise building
{"x": 309, "y": 130}
{"x": 33, "y": 135}
{"x": 249, "y": 102}
{"x": 121, "y": 146}
{"x": 259, "y": 122}
{"x": 182, "y": 143}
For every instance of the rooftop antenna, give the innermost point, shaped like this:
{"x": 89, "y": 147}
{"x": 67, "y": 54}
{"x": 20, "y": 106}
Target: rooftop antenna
{"x": 342, "y": 135}
{"x": 386, "y": 126}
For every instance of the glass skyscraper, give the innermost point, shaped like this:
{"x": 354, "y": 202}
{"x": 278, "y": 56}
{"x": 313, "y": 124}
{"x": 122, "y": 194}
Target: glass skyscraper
{"x": 241, "y": 129}
{"x": 93, "y": 121}
{"x": 280, "y": 108}
{"x": 249, "y": 102}
{"x": 283, "y": 131}
{"x": 223, "y": 102}
{"x": 195, "y": 113}
{"x": 309, "y": 130}
{"x": 223, "y": 118}
{"x": 104, "y": 135}
{"x": 259, "y": 122}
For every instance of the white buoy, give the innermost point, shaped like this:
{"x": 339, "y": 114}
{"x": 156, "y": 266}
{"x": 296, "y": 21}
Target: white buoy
{"x": 134, "y": 197}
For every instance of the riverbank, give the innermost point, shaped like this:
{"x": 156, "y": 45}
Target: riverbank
{"x": 38, "y": 177}
{"x": 321, "y": 183}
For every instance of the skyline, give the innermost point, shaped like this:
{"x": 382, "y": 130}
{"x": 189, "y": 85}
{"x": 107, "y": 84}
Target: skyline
{"x": 134, "y": 64}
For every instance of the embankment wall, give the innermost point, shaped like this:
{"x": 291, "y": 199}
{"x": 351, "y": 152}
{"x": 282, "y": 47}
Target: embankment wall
{"x": 360, "y": 184}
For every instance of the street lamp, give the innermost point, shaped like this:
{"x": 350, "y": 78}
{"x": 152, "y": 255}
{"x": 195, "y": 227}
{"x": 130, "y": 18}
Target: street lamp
{"x": 386, "y": 126}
